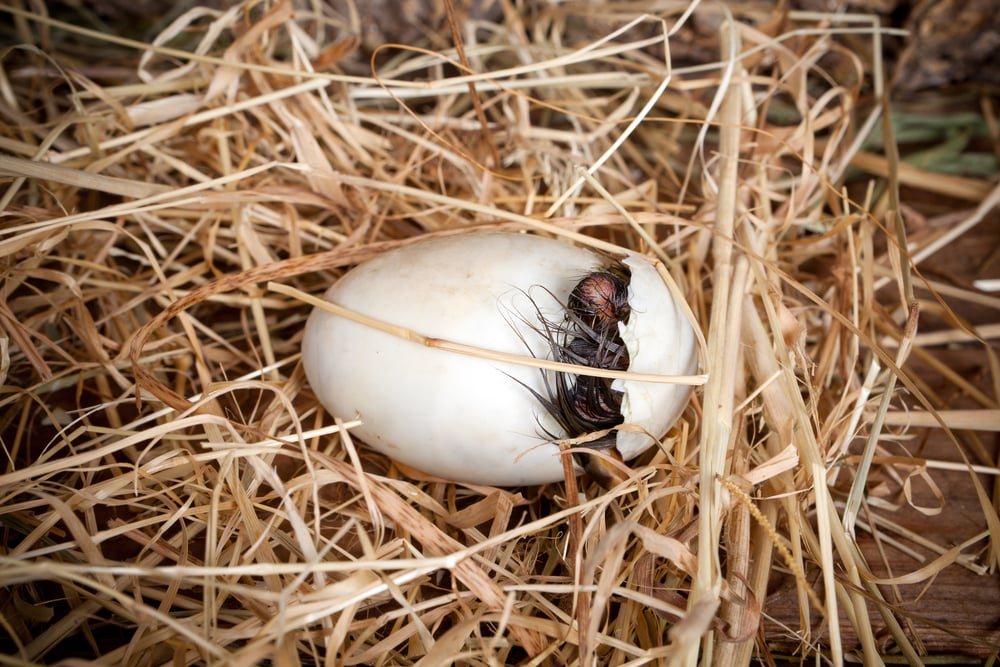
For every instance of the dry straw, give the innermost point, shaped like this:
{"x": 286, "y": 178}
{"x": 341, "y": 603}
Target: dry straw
{"x": 172, "y": 493}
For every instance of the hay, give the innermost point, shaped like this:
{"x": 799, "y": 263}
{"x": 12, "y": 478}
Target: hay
{"x": 173, "y": 493}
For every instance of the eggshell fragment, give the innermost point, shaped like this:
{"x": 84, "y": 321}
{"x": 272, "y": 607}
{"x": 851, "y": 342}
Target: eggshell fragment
{"x": 464, "y": 418}
{"x": 660, "y": 340}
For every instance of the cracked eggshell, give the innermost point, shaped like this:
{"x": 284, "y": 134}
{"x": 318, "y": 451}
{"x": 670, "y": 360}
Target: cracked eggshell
{"x": 460, "y": 417}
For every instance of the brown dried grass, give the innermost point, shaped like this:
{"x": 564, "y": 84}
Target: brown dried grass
{"x": 172, "y": 491}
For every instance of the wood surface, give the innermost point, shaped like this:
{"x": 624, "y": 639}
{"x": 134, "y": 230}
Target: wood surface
{"x": 954, "y": 617}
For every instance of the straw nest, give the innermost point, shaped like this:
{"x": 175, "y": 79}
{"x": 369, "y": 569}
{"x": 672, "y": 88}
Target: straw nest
{"x": 172, "y": 493}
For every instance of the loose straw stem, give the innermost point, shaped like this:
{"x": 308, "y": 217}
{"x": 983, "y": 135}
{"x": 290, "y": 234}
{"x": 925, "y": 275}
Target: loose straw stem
{"x": 723, "y": 354}
{"x": 482, "y": 353}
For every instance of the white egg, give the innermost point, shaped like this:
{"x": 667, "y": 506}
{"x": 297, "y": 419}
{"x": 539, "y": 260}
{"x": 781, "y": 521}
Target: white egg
{"x": 476, "y": 420}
